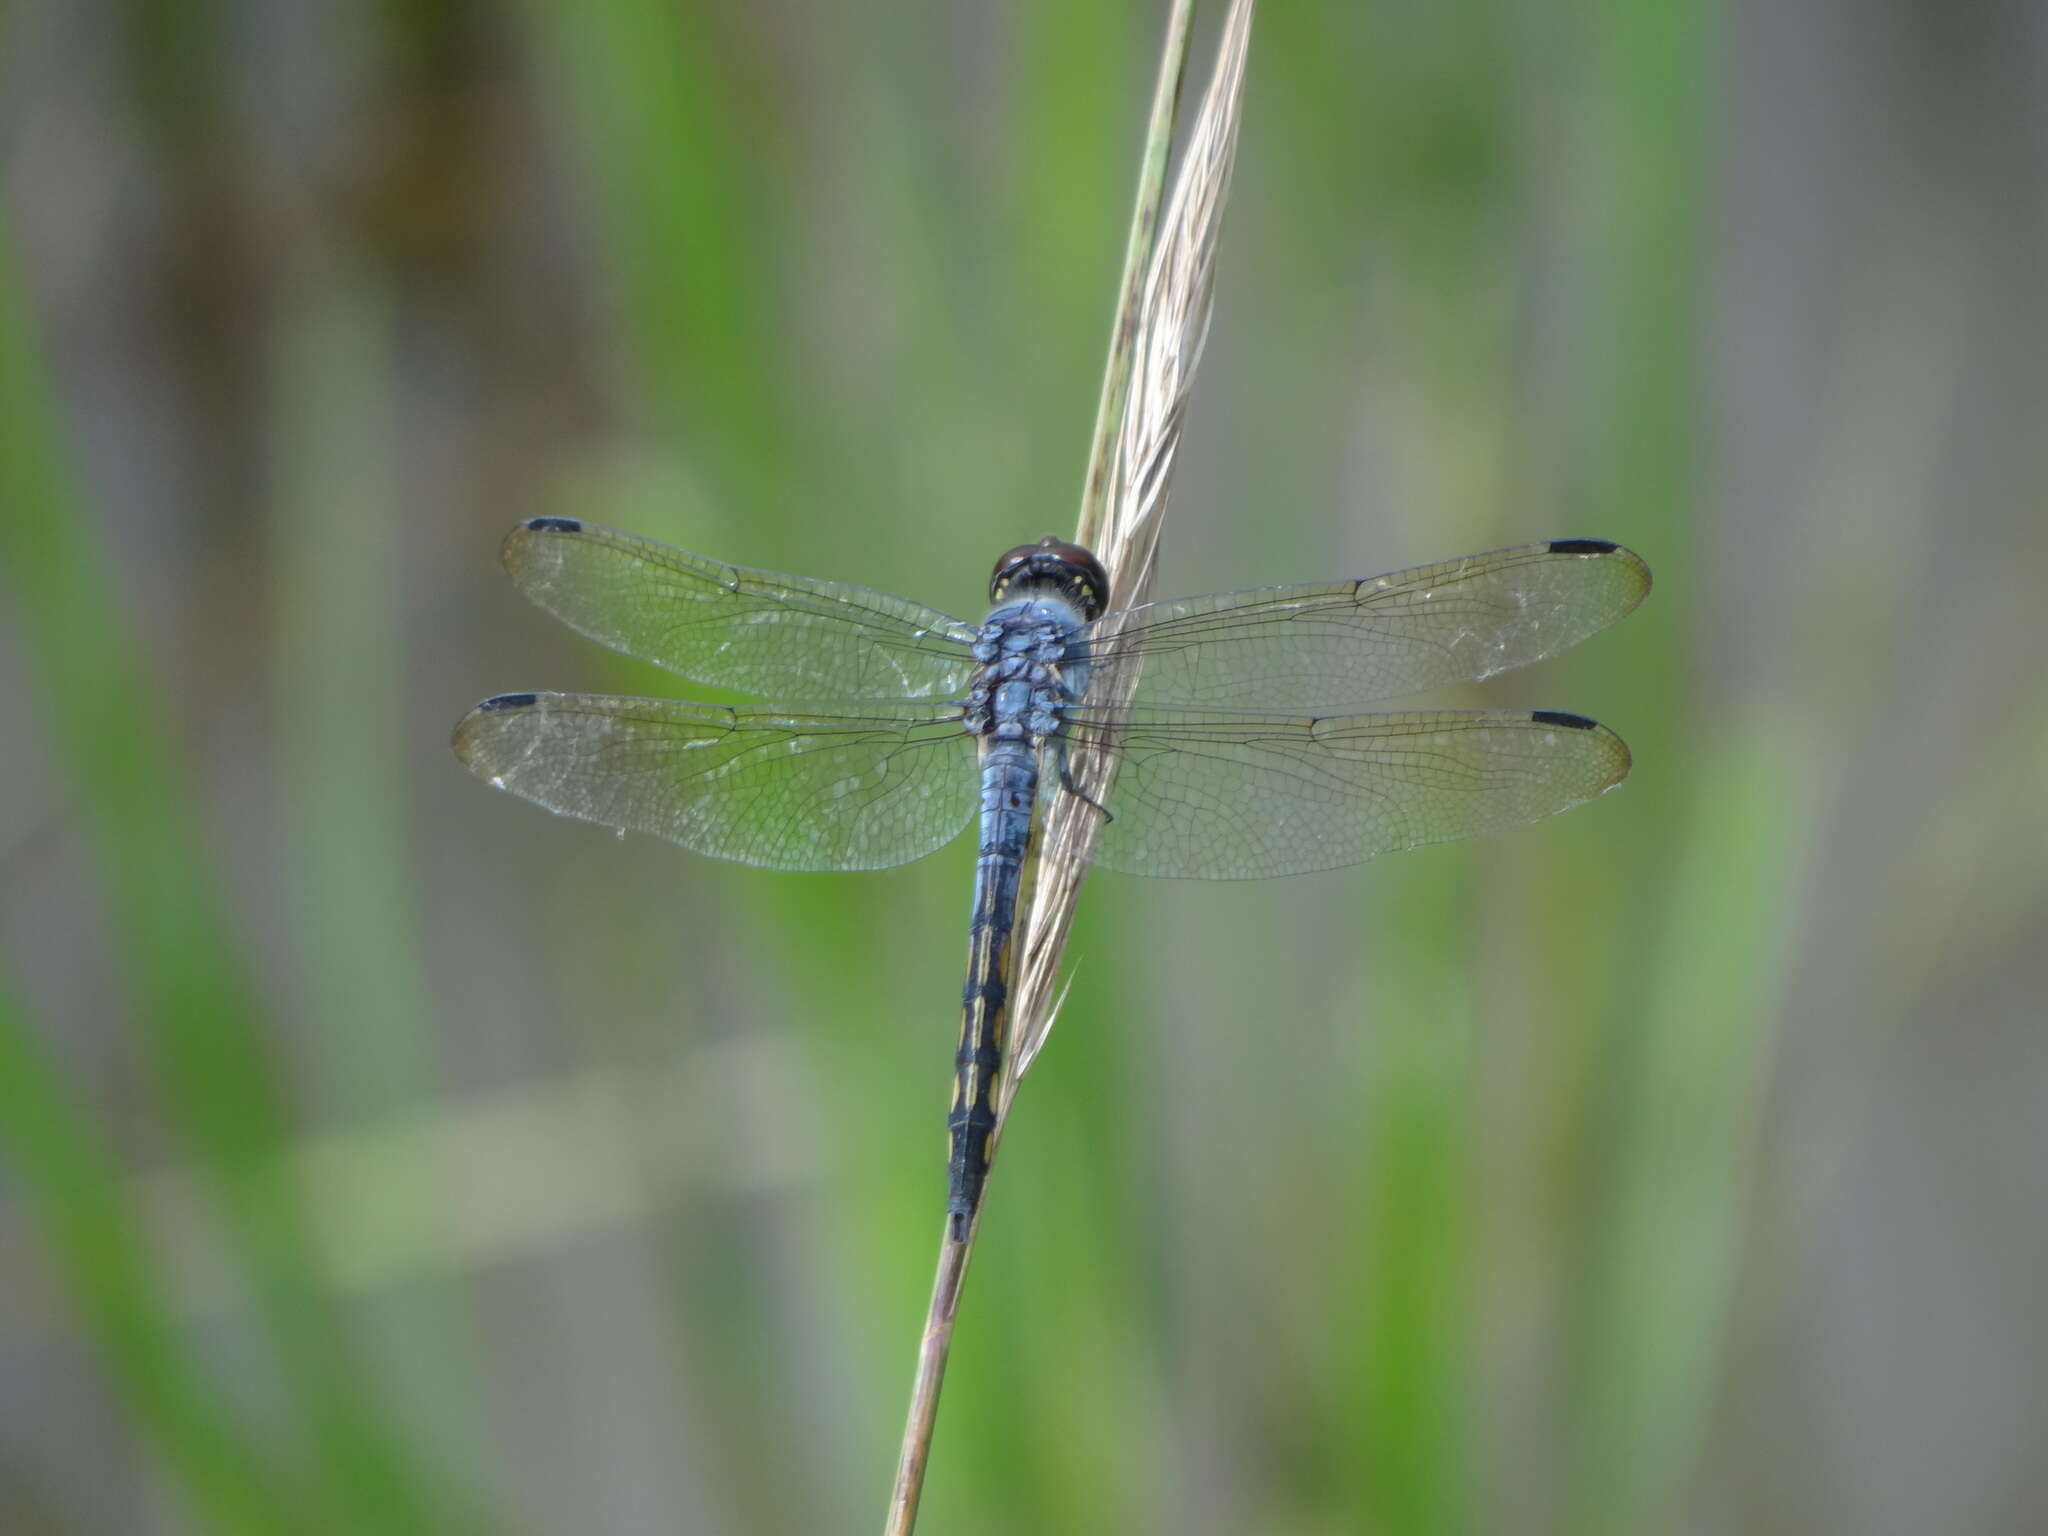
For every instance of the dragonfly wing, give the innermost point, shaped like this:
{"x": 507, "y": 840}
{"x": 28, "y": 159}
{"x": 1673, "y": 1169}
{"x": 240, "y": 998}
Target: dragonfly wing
{"x": 1346, "y": 644}
{"x": 811, "y": 791}
{"x": 733, "y": 628}
{"x": 1252, "y": 796}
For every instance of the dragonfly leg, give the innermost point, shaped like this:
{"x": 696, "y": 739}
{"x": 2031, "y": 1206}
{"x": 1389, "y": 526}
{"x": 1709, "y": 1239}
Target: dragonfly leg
{"x": 1067, "y": 783}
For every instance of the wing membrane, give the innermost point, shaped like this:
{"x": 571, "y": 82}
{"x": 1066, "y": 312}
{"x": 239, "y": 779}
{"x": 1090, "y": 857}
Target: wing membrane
{"x": 752, "y": 631}
{"x": 1342, "y": 645}
{"x": 782, "y": 790}
{"x": 1255, "y": 796}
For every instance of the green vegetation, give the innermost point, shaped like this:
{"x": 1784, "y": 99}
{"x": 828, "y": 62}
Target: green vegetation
{"x": 406, "y": 1161}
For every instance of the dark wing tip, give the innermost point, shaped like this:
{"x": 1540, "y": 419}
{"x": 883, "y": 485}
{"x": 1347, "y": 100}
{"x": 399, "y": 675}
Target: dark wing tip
{"x": 478, "y": 738}
{"x": 1615, "y": 757}
{"x": 1624, "y": 556}
{"x": 552, "y": 525}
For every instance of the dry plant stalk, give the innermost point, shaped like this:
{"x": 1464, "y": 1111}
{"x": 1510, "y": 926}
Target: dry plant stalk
{"x": 1172, "y": 324}
{"x": 1162, "y": 319}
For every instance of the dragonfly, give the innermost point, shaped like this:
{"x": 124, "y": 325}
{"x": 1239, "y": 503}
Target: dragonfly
{"x": 896, "y": 725}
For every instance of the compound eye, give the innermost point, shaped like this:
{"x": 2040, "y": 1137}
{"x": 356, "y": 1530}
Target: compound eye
{"x": 1010, "y": 567}
{"x": 1089, "y": 582}
{"x": 1067, "y": 568}
{"x": 1079, "y": 573}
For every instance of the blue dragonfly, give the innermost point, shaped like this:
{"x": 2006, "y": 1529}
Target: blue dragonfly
{"x": 896, "y": 725}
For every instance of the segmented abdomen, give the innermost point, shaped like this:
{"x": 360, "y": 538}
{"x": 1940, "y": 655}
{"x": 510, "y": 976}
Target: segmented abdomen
{"x": 1009, "y": 785}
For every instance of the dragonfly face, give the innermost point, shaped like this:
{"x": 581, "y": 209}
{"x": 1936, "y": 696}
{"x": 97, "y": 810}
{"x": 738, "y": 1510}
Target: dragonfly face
{"x": 1052, "y": 565}
{"x": 1237, "y": 757}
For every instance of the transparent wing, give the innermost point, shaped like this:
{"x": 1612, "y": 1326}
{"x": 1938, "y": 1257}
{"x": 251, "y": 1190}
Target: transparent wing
{"x": 811, "y": 791}
{"x": 1209, "y": 799}
{"x": 1350, "y": 643}
{"x": 734, "y": 628}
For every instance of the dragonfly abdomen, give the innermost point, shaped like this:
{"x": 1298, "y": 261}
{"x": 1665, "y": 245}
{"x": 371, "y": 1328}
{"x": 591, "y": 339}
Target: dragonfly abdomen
{"x": 1009, "y": 786}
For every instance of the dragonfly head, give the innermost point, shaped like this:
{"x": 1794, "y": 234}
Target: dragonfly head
{"x": 1050, "y": 565}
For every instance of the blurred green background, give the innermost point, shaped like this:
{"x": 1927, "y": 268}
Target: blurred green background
{"x": 378, "y": 1154}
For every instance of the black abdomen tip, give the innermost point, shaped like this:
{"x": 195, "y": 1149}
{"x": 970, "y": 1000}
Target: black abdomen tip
{"x": 1582, "y": 547}
{"x": 553, "y": 525}
{"x": 506, "y": 701}
{"x": 1559, "y": 717}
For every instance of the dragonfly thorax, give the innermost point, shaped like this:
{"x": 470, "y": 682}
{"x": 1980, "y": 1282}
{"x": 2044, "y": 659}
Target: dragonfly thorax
{"x": 1023, "y": 673}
